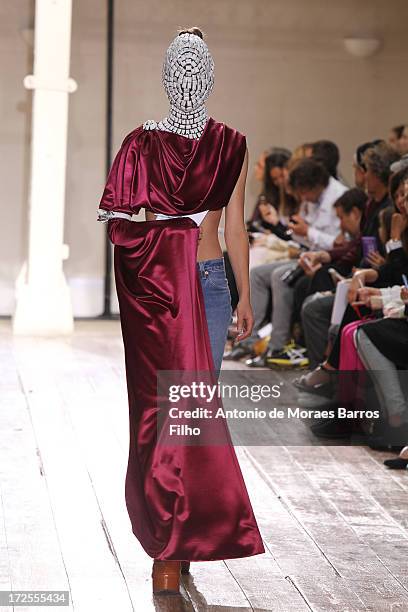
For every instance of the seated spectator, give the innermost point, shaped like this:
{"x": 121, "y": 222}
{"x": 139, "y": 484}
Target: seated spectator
{"x": 316, "y": 225}
{"x": 353, "y": 211}
{"x": 318, "y": 266}
{"x": 275, "y": 205}
{"x": 388, "y": 275}
{"x": 327, "y": 153}
{"x": 271, "y": 172}
{"x": 403, "y": 141}
{"x": 269, "y": 237}
{"x": 301, "y": 152}
{"x": 317, "y": 307}
{"x": 358, "y": 163}
{"x": 395, "y": 136}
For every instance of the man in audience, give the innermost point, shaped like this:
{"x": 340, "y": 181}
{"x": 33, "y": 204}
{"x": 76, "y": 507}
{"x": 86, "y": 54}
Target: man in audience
{"x": 358, "y": 164}
{"x": 316, "y": 226}
{"x": 346, "y": 254}
{"x": 351, "y": 209}
{"x": 395, "y": 136}
{"x": 317, "y": 308}
{"x": 327, "y": 153}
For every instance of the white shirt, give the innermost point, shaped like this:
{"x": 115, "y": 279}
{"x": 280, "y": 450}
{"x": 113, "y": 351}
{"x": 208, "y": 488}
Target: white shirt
{"x": 324, "y": 224}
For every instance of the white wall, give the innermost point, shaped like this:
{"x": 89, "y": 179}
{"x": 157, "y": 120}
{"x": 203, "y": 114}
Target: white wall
{"x": 282, "y": 77}
{"x": 15, "y": 121}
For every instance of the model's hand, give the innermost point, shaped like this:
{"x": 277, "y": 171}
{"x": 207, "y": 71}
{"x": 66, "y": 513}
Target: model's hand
{"x": 404, "y": 294}
{"x": 245, "y": 320}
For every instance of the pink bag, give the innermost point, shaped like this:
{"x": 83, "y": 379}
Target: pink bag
{"x": 352, "y": 380}
{"x": 349, "y": 358}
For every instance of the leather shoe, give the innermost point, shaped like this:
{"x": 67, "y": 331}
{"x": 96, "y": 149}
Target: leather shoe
{"x": 166, "y": 577}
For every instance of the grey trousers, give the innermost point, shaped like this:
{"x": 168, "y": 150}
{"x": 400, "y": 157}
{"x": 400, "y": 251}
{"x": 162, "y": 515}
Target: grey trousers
{"x": 264, "y": 280}
{"x": 386, "y": 378}
{"x": 316, "y": 316}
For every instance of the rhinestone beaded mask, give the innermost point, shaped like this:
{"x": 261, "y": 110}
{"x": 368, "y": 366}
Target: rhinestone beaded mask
{"x": 188, "y": 72}
{"x": 188, "y": 78}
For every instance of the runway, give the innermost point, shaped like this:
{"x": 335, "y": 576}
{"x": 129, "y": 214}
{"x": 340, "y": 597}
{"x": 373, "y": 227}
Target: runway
{"x": 333, "y": 519}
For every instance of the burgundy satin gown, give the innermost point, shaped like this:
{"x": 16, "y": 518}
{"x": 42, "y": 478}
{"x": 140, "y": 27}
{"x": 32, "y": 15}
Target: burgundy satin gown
{"x": 184, "y": 502}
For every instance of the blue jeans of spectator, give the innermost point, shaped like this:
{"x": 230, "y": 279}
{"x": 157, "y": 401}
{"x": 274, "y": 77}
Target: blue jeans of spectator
{"x": 217, "y": 300}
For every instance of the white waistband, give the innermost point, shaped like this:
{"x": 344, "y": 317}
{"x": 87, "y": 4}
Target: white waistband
{"x": 196, "y": 217}
{"x": 105, "y": 215}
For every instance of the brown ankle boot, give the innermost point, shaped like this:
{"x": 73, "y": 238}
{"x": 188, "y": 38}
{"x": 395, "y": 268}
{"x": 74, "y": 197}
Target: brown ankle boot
{"x": 185, "y": 567}
{"x": 166, "y": 577}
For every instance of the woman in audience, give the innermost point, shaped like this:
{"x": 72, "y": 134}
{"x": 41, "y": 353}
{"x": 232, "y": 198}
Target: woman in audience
{"x": 273, "y": 182}
{"x": 267, "y": 218}
{"x": 269, "y": 236}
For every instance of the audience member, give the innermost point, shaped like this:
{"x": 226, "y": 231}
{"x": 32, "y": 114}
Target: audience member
{"x": 316, "y": 225}
{"x": 327, "y": 153}
{"x": 394, "y": 137}
{"x": 317, "y": 308}
{"x": 360, "y": 234}
{"x": 403, "y": 141}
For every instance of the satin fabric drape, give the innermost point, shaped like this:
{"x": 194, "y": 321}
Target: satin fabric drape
{"x": 171, "y": 174}
{"x": 184, "y": 502}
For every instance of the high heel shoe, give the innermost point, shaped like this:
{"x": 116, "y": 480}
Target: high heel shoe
{"x": 185, "y": 567}
{"x": 166, "y": 577}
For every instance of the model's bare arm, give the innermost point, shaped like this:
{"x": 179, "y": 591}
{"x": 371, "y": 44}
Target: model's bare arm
{"x": 236, "y": 239}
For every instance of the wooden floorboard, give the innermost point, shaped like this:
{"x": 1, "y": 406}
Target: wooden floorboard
{"x": 334, "y": 521}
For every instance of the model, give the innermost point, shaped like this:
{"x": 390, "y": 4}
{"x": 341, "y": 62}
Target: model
{"x": 186, "y": 502}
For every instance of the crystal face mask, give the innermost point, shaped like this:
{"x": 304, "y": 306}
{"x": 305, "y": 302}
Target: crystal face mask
{"x": 188, "y": 73}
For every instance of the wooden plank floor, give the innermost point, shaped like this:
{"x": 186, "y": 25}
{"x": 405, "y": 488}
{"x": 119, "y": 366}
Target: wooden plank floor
{"x": 333, "y": 519}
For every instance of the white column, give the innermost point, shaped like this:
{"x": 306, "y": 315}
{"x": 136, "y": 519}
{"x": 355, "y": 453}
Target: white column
{"x": 43, "y": 297}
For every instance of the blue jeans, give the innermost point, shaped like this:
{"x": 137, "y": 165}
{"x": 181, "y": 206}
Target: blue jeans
{"x": 217, "y": 300}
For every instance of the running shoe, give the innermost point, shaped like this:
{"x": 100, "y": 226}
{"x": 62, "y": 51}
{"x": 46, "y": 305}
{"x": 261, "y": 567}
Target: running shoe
{"x": 291, "y": 356}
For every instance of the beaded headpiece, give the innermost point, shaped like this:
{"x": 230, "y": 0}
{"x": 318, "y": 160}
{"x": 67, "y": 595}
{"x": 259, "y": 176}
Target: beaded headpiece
{"x": 188, "y": 79}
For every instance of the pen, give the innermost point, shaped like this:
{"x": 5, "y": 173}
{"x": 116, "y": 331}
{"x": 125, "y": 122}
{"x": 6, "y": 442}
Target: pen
{"x": 405, "y": 280}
